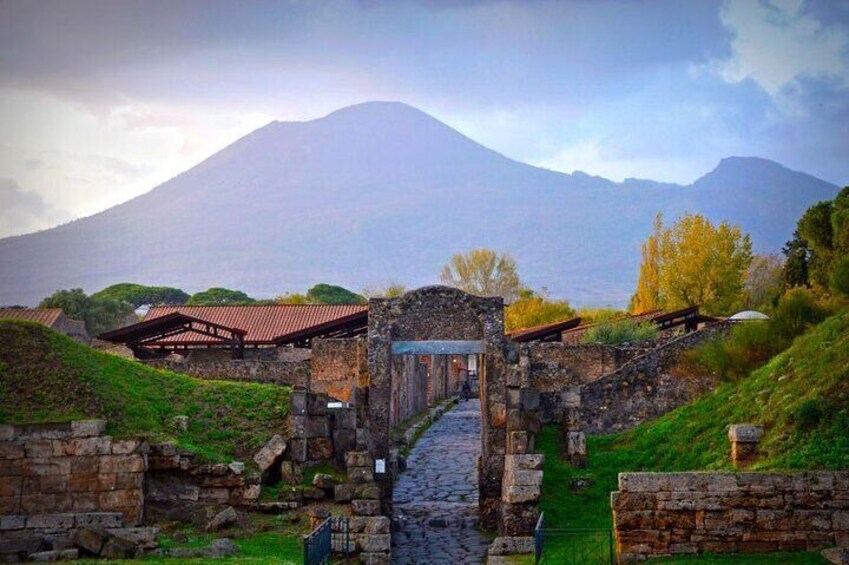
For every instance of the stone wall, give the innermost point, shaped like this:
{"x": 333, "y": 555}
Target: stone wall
{"x": 179, "y": 487}
{"x": 260, "y": 370}
{"x": 644, "y": 388}
{"x": 68, "y": 469}
{"x": 657, "y": 514}
{"x": 337, "y": 366}
{"x": 558, "y": 370}
{"x": 442, "y": 313}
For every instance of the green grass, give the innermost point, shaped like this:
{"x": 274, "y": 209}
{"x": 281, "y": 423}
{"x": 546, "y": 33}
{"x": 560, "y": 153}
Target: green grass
{"x": 800, "y": 397}
{"x": 47, "y": 377}
{"x": 268, "y": 548}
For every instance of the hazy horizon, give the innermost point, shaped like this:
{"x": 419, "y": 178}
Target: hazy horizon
{"x": 102, "y": 101}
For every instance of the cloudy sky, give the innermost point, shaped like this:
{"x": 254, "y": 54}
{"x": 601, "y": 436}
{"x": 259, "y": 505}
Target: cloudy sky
{"x": 102, "y": 100}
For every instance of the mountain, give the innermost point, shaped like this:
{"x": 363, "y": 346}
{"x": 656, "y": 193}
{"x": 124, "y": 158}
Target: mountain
{"x": 383, "y": 192}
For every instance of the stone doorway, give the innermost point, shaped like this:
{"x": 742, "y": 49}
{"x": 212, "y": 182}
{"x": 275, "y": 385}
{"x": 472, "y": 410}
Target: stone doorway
{"x": 441, "y": 321}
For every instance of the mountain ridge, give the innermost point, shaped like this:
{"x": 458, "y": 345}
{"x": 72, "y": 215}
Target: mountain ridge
{"x": 382, "y": 191}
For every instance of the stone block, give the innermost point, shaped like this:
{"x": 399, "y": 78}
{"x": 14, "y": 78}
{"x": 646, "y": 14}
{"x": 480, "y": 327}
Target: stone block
{"x": 368, "y": 492}
{"x": 358, "y": 459}
{"x": 119, "y": 548}
{"x": 91, "y": 539}
{"x": 360, "y": 475}
{"x": 319, "y": 449}
{"x": 87, "y": 428}
{"x": 318, "y": 427}
{"x": 377, "y": 525}
{"x": 344, "y": 492}
{"x": 38, "y": 448}
{"x": 52, "y": 556}
{"x": 313, "y": 493}
{"x": 298, "y": 425}
{"x": 365, "y": 507}
{"x": 236, "y": 467}
{"x": 344, "y": 440}
{"x": 298, "y": 402}
{"x": 525, "y": 462}
{"x": 127, "y": 446}
{"x": 375, "y": 543}
{"x": 511, "y": 545}
{"x": 11, "y": 450}
{"x": 298, "y": 450}
{"x": 8, "y": 523}
{"x": 381, "y": 558}
{"x": 345, "y": 419}
{"x": 51, "y": 521}
{"x": 7, "y": 432}
{"x": 251, "y": 493}
{"x": 98, "y": 519}
{"x": 290, "y": 472}
{"x": 530, "y": 399}
{"x": 519, "y": 442}
{"x": 226, "y": 517}
{"x": 270, "y": 453}
{"x": 521, "y": 494}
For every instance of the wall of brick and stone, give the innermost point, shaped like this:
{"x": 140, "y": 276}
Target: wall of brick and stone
{"x": 52, "y": 473}
{"x": 337, "y": 366}
{"x": 644, "y": 388}
{"x": 659, "y": 514}
{"x": 258, "y": 370}
{"x": 558, "y": 371}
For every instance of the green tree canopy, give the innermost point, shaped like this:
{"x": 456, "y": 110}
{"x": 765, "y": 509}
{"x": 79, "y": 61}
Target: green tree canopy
{"x": 219, "y": 296}
{"x": 323, "y": 293}
{"x": 99, "y": 314}
{"x": 483, "y": 272}
{"x": 699, "y": 264}
{"x": 820, "y": 245}
{"x": 141, "y": 295}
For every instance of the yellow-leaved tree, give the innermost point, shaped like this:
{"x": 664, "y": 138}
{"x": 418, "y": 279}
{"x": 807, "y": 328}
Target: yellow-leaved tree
{"x": 535, "y": 309}
{"x": 697, "y": 264}
{"x": 484, "y": 272}
{"x": 647, "y": 296}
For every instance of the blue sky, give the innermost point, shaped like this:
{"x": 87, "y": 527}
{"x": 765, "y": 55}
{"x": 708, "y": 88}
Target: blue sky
{"x": 101, "y": 101}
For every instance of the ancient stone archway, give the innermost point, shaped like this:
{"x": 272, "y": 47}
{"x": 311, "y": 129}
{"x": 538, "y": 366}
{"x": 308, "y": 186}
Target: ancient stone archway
{"x": 451, "y": 321}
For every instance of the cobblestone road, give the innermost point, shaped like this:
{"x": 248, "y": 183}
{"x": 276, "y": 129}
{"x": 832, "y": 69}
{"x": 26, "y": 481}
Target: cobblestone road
{"x": 436, "y": 499}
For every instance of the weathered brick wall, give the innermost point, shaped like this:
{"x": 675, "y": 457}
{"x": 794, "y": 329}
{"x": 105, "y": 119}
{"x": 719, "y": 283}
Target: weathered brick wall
{"x": 69, "y": 469}
{"x": 557, "y": 370}
{"x": 272, "y": 371}
{"x": 658, "y": 514}
{"x": 646, "y": 387}
{"x": 336, "y": 366}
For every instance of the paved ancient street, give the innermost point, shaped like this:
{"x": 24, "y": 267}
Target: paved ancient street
{"x": 436, "y": 499}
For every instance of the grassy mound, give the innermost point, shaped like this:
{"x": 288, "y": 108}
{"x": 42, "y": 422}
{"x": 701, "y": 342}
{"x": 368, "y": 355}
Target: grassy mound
{"x": 800, "y": 397}
{"x": 47, "y": 377}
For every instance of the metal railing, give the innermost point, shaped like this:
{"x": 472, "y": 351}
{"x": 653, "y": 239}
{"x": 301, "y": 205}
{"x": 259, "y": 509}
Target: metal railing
{"x": 573, "y": 546}
{"x": 318, "y": 544}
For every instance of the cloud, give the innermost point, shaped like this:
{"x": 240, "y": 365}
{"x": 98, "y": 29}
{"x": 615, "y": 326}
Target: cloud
{"x": 776, "y": 42}
{"x": 22, "y": 211}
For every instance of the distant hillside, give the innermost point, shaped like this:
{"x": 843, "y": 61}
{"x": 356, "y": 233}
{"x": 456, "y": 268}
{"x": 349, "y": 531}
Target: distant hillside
{"x": 47, "y": 377}
{"x": 382, "y": 192}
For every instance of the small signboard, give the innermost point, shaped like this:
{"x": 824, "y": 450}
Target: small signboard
{"x": 380, "y": 465}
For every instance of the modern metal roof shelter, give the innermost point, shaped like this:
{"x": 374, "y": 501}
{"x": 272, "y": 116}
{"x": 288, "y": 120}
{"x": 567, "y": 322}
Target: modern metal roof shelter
{"x": 547, "y": 332}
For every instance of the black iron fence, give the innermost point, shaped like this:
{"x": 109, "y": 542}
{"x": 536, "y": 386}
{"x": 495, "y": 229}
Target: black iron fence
{"x": 319, "y": 543}
{"x": 573, "y": 546}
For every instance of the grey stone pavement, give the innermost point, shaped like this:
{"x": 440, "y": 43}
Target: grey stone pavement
{"x": 436, "y": 500}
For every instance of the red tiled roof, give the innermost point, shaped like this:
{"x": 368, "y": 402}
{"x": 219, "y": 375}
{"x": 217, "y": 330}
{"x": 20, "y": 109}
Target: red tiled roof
{"x": 46, "y": 316}
{"x": 262, "y": 322}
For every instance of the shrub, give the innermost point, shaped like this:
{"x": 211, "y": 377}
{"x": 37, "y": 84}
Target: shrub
{"x": 839, "y": 279}
{"x": 621, "y": 331}
{"x": 807, "y": 416}
{"x": 751, "y": 344}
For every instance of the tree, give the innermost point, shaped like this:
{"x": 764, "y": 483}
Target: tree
{"x": 764, "y": 282}
{"x": 532, "y": 309}
{"x": 798, "y": 254}
{"x": 292, "y": 298}
{"x": 331, "y": 294}
{"x": 99, "y": 314}
{"x": 219, "y": 296}
{"x": 820, "y": 244}
{"x": 647, "y": 296}
{"x": 141, "y": 295}
{"x": 699, "y": 264}
{"x": 483, "y": 272}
